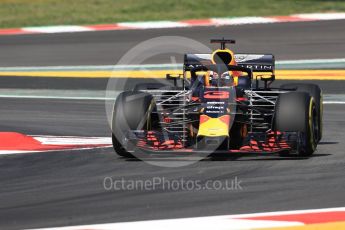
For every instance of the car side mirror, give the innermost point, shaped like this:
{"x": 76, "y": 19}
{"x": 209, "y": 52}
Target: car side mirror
{"x": 267, "y": 77}
{"x": 173, "y": 77}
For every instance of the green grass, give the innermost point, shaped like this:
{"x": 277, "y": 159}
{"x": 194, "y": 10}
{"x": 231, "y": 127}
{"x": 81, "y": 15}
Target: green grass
{"x": 19, "y": 13}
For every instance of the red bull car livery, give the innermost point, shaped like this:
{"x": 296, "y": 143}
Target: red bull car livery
{"x": 222, "y": 103}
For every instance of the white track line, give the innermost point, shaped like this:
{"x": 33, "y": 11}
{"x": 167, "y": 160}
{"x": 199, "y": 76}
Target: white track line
{"x": 57, "y": 140}
{"x": 56, "y": 29}
{"x": 56, "y": 97}
{"x": 69, "y": 143}
{"x": 226, "y": 222}
{"x": 334, "y": 102}
{"x": 92, "y": 67}
{"x": 204, "y": 223}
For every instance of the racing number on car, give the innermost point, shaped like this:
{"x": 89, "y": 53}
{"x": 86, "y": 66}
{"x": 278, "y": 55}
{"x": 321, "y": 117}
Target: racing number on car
{"x": 216, "y": 95}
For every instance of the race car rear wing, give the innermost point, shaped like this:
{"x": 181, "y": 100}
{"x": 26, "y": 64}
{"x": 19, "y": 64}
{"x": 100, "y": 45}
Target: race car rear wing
{"x": 255, "y": 62}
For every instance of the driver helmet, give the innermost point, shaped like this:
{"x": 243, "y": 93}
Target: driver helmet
{"x": 226, "y": 79}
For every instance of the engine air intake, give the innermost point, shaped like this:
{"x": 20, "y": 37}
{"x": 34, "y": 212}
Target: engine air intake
{"x": 222, "y": 57}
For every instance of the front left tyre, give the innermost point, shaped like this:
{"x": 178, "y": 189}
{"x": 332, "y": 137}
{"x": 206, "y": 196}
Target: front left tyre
{"x": 132, "y": 111}
{"x": 314, "y": 91}
{"x": 297, "y": 112}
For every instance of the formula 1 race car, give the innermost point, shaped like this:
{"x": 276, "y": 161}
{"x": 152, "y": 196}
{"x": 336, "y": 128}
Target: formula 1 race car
{"x": 223, "y": 103}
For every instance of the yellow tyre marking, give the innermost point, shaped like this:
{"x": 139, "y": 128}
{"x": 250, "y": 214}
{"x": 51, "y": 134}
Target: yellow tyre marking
{"x": 321, "y": 114}
{"x": 311, "y": 139}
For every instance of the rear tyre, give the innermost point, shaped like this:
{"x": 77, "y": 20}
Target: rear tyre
{"x": 314, "y": 91}
{"x": 243, "y": 83}
{"x": 297, "y": 112}
{"x": 132, "y": 111}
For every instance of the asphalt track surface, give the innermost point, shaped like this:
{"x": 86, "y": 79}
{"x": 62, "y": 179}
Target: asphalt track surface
{"x": 66, "y": 188}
